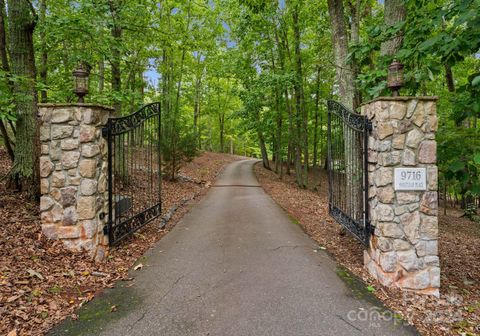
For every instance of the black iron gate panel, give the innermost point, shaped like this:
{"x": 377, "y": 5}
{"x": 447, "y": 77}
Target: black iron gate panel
{"x": 134, "y": 171}
{"x": 348, "y": 170}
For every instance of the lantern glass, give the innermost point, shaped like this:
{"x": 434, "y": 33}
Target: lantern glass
{"x": 80, "y": 84}
{"x": 80, "y": 76}
{"x": 395, "y": 77}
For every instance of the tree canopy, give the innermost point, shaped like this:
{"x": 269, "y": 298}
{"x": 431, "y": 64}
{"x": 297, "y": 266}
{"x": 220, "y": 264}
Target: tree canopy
{"x": 248, "y": 76}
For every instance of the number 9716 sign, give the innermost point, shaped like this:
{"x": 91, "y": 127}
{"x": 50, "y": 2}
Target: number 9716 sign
{"x": 410, "y": 179}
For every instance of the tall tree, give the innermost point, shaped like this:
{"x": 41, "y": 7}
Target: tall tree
{"x": 43, "y": 52}
{"x": 344, "y": 77}
{"x": 116, "y": 32}
{"x": 302, "y": 115}
{"x": 6, "y": 69}
{"x": 22, "y": 21}
{"x": 394, "y": 13}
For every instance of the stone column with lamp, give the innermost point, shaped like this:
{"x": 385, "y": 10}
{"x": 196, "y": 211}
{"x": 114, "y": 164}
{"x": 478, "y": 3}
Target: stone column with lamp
{"x": 73, "y": 171}
{"x": 403, "y": 199}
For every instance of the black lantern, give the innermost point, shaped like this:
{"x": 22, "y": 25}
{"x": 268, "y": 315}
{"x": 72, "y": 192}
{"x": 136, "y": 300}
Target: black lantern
{"x": 395, "y": 79}
{"x": 80, "y": 77}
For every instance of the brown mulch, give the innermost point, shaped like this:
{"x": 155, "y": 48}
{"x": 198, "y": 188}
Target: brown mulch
{"x": 41, "y": 283}
{"x": 457, "y": 312}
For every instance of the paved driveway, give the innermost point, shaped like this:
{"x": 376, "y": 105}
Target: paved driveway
{"x": 236, "y": 265}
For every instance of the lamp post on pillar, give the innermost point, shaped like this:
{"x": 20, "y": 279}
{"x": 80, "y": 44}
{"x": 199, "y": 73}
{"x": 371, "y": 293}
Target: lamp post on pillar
{"x": 73, "y": 171}
{"x": 80, "y": 77}
{"x": 395, "y": 79}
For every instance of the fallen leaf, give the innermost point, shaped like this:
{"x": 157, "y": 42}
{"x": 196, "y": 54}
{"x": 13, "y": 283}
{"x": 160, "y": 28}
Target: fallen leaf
{"x": 12, "y": 333}
{"x": 33, "y": 273}
{"x": 113, "y": 308}
{"x": 138, "y": 267}
{"x": 53, "y": 305}
{"x": 13, "y": 298}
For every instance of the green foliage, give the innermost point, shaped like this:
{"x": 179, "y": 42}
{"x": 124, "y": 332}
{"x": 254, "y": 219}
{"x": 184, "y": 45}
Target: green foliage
{"x": 441, "y": 42}
{"x": 7, "y": 107}
{"x": 178, "y": 148}
{"x": 232, "y": 64}
{"x": 459, "y": 160}
{"x": 435, "y": 34}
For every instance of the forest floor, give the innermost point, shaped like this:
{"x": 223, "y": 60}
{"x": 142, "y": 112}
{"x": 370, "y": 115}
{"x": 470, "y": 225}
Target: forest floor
{"x": 457, "y": 312}
{"x": 41, "y": 283}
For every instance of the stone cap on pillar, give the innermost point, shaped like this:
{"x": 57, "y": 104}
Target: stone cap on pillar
{"x": 75, "y": 113}
{"x": 401, "y": 98}
{"x": 60, "y": 105}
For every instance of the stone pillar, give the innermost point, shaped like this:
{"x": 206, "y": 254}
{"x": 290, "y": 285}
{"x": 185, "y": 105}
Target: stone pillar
{"x": 403, "y": 251}
{"x": 73, "y": 172}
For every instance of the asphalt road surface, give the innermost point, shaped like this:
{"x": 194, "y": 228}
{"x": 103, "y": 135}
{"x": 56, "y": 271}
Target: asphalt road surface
{"x": 236, "y": 264}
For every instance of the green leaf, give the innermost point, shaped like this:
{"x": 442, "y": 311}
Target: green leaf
{"x": 475, "y": 189}
{"x": 371, "y": 289}
{"x": 476, "y": 81}
{"x": 430, "y": 74}
{"x": 430, "y": 42}
{"x": 456, "y": 166}
{"x": 476, "y": 158}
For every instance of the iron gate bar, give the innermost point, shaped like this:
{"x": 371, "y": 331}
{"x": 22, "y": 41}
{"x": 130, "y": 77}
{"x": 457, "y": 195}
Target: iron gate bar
{"x": 134, "y": 199}
{"x": 348, "y": 169}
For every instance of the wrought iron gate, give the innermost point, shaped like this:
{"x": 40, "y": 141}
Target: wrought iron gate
{"x": 134, "y": 171}
{"x": 347, "y": 169}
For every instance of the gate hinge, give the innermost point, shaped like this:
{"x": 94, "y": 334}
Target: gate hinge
{"x": 368, "y": 125}
{"x": 106, "y": 231}
{"x": 105, "y": 132}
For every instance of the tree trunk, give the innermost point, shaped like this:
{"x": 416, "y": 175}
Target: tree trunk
{"x": 6, "y": 68}
{"x": 277, "y": 148}
{"x": 25, "y": 171}
{"x": 281, "y": 58}
{"x": 291, "y": 135}
{"x": 346, "y": 88}
{"x": 315, "y": 125}
{"x": 196, "y": 102}
{"x": 302, "y": 115}
{"x": 116, "y": 32}
{"x": 263, "y": 149}
{"x": 221, "y": 120}
{"x": 7, "y": 141}
{"x": 278, "y": 136}
{"x": 355, "y": 8}
{"x": 449, "y": 78}
{"x": 3, "y": 38}
{"x": 344, "y": 77}
{"x": 101, "y": 76}
{"x": 43, "y": 52}
{"x": 394, "y": 12}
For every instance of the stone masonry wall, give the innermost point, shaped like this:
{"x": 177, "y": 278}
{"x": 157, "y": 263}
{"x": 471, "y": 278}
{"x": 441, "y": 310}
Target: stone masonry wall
{"x": 73, "y": 171}
{"x": 403, "y": 251}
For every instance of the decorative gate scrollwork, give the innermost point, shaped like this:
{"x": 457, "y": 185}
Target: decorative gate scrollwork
{"x": 348, "y": 170}
{"x": 134, "y": 171}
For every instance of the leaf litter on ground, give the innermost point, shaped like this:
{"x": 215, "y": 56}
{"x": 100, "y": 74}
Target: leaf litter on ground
{"x": 42, "y": 283}
{"x": 457, "y": 312}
